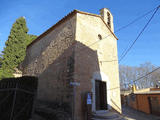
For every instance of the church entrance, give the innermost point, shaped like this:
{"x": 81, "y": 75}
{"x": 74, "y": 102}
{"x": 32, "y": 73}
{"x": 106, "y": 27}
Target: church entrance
{"x": 100, "y": 95}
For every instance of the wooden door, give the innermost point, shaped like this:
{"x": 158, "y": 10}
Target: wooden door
{"x": 154, "y": 105}
{"x": 101, "y": 96}
{"x": 97, "y": 95}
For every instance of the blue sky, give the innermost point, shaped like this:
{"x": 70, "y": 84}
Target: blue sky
{"x": 42, "y": 14}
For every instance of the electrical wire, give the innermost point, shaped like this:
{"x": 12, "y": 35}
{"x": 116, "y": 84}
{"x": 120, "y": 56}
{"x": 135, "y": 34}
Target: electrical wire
{"x": 144, "y": 75}
{"x": 158, "y": 68}
{"x": 125, "y": 53}
{"x": 127, "y": 50}
{"x": 121, "y": 28}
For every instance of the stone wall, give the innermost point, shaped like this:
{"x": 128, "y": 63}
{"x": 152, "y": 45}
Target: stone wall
{"x": 49, "y": 59}
{"x": 68, "y": 54}
{"x": 88, "y": 29}
{"x": 86, "y": 62}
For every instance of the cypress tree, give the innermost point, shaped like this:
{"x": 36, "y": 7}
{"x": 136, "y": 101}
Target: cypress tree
{"x": 30, "y": 39}
{"x": 15, "y": 49}
{"x": 0, "y": 61}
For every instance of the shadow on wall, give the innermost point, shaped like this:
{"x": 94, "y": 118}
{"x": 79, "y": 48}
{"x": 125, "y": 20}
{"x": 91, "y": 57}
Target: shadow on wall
{"x": 76, "y": 64}
{"x": 48, "y": 48}
{"x": 86, "y": 63}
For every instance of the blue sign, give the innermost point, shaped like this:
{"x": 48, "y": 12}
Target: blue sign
{"x": 89, "y": 100}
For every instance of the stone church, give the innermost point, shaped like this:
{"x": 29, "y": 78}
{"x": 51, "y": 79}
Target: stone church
{"x": 75, "y": 56}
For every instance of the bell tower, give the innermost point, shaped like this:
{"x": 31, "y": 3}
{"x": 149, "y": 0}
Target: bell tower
{"x": 107, "y": 17}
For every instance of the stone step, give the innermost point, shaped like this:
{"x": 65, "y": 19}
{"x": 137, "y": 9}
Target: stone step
{"x": 119, "y": 118}
{"x": 107, "y": 115}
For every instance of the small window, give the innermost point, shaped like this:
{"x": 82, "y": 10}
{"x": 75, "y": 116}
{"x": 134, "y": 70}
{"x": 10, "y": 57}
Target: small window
{"x": 100, "y": 37}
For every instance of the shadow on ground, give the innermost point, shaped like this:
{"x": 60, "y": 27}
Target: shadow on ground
{"x": 131, "y": 114}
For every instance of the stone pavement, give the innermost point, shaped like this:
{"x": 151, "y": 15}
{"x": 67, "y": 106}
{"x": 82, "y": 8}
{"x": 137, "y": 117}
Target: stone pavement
{"x": 128, "y": 114}
{"x": 107, "y": 115}
{"x": 131, "y": 114}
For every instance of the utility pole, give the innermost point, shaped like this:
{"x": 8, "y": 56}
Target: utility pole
{"x": 74, "y": 84}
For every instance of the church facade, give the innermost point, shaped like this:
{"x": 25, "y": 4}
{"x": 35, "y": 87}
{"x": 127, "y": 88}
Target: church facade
{"x": 77, "y": 55}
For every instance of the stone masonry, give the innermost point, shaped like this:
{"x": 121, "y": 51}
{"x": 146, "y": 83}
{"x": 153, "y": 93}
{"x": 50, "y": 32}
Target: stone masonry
{"x": 65, "y": 53}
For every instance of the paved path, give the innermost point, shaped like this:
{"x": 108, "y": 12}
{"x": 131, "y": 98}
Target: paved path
{"x": 131, "y": 114}
{"x": 107, "y": 115}
{"x": 128, "y": 114}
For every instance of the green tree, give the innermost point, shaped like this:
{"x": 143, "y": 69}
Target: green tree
{"x": 30, "y": 39}
{"x": 14, "y": 52}
{"x": 0, "y": 61}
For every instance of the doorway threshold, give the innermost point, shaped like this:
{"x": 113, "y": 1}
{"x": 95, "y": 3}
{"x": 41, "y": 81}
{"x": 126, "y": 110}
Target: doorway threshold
{"x": 101, "y": 111}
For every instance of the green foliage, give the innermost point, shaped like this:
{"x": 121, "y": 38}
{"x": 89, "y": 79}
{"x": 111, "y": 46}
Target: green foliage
{"x": 14, "y": 51}
{"x": 0, "y": 61}
{"x": 6, "y": 73}
{"x": 30, "y": 39}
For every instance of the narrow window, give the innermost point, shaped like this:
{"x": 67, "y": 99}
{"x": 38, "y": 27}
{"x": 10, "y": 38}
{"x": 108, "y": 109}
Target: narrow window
{"x": 109, "y": 19}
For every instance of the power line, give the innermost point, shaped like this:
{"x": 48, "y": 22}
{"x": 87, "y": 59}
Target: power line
{"x": 127, "y": 50}
{"x": 125, "y": 26}
{"x": 125, "y": 53}
{"x": 134, "y": 22}
{"x": 144, "y": 75}
{"x": 158, "y": 68}
{"x": 121, "y": 28}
